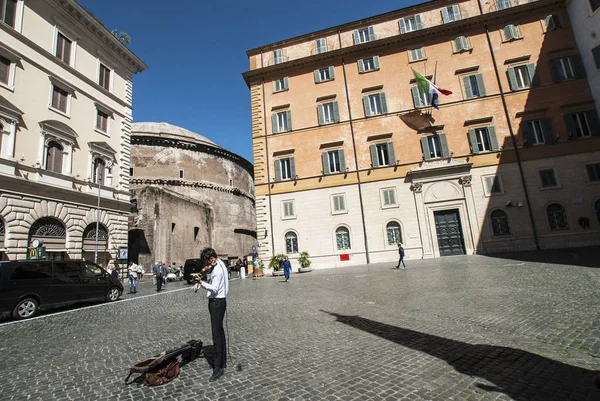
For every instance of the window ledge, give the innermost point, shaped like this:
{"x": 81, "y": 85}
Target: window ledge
{"x": 102, "y": 132}
{"x": 340, "y": 212}
{"x": 396, "y": 206}
{"x": 282, "y": 90}
{"x": 289, "y": 218}
{"x": 7, "y": 87}
{"x": 325, "y": 80}
{"x": 62, "y": 113}
{"x": 416, "y": 61}
{"x": 550, "y": 188}
{"x": 366, "y": 72}
{"x": 489, "y": 195}
{"x": 512, "y": 40}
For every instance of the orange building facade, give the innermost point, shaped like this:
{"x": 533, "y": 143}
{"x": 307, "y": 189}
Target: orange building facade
{"x": 351, "y": 159}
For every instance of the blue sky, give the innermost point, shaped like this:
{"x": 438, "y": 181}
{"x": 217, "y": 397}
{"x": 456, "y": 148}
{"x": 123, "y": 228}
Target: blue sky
{"x": 196, "y": 52}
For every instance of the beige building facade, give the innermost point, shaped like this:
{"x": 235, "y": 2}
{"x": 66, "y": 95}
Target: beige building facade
{"x": 351, "y": 159}
{"x": 65, "y": 121}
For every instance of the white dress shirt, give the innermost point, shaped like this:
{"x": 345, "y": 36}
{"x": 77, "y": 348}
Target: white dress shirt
{"x": 217, "y": 285}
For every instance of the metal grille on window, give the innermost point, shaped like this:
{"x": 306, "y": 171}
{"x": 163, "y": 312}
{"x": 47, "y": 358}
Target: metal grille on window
{"x": 48, "y": 227}
{"x": 394, "y": 233}
{"x": 291, "y": 242}
{"x": 90, "y": 232}
{"x": 557, "y": 217}
{"x": 500, "y": 223}
{"x": 342, "y": 236}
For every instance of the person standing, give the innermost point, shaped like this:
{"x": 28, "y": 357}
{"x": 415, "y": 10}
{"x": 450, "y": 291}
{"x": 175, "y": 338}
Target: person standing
{"x": 159, "y": 272}
{"x": 217, "y": 287}
{"x": 132, "y": 275}
{"x": 140, "y": 272}
{"x": 401, "y": 260}
{"x": 287, "y": 268}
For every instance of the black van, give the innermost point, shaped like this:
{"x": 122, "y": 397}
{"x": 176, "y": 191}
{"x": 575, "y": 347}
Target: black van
{"x": 27, "y": 285}
{"x": 191, "y": 266}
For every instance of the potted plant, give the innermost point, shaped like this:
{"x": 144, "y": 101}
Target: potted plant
{"x": 275, "y": 264}
{"x": 304, "y": 263}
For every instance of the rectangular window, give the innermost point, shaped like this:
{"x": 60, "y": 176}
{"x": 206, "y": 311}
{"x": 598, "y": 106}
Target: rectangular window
{"x": 388, "y": 197}
{"x": 375, "y": 104}
{"x": 382, "y": 154}
{"x": 4, "y": 70}
{"x": 420, "y": 98}
{"x": 551, "y": 22}
{"x": 474, "y": 86}
{"x": 521, "y": 77}
{"x": 181, "y": 174}
{"x": 548, "y": 178}
{"x": 596, "y": 54}
{"x": 278, "y": 56}
{"x": 328, "y": 113}
{"x": 511, "y": 32}
{"x": 537, "y": 132}
{"x": 280, "y": 84}
{"x": 483, "y": 139}
{"x": 324, "y": 74}
{"x": 383, "y": 158}
{"x": 104, "y": 80}
{"x": 285, "y": 169}
{"x": 461, "y": 44}
{"x": 101, "y": 121}
{"x": 594, "y": 4}
{"x": 364, "y": 35}
{"x": 339, "y": 203}
{"x": 333, "y": 161}
{"x": 566, "y": 68}
{"x": 368, "y": 64}
{"x": 131, "y": 171}
{"x": 288, "y": 209}
{"x": 410, "y": 24}
{"x": 63, "y": 48}
{"x": 581, "y": 125}
{"x": 593, "y": 171}
{"x": 60, "y": 98}
{"x": 434, "y": 146}
{"x": 321, "y": 46}
{"x": 416, "y": 54}
{"x": 492, "y": 185}
{"x": 450, "y": 14}
{"x": 282, "y": 121}
{"x": 8, "y": 11}
{"x": 502, "y": 4}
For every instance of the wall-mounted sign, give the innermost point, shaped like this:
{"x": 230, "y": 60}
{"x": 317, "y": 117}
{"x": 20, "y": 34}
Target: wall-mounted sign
{"x": 123, "y": 253}
{"x": 37, "y": 253}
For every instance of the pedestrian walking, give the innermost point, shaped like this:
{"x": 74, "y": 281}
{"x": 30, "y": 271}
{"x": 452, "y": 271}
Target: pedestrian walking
{"x": 401, "y": 260}
{"x": 287, "y": 269}
{"x": 159, "y": 273}
{"x": 132, "y": 275}
{"x": 140, "y": 272}
{"x": 217, "y": 287}
{"x": 256, "y": 269}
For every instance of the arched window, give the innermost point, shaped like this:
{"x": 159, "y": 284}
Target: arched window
{"x": 342, "y": 238}
{"x": 597, "y": 207}
{"x": 54, "y": 157}
{"x": 394, "y": 233}
{"x": 291, "y": 242}
{"x": 98, "y": 170}
{"x": 557, "y": 217}
{"x": 500, "y": 223}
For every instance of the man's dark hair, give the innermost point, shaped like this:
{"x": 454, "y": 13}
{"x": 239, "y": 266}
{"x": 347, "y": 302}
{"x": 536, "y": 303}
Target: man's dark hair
{"x": 206, "y": 254}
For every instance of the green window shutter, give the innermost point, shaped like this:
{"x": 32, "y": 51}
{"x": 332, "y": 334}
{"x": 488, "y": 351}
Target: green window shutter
{"x": 416, "y": 96}
{"x": 391, "y": 153}
{"x": 317, "y": 76}
{"x": 457, "y": 44}
{"x": 277, "y": 170}
{"x": 392, "y": 194}
{"x": 445, "y": 17}
{"x": 286, "y": 83}
{"x": 376, "y": 62}
{"x": 288, "y": 117}
{"x": 386, "y": 197}
{"x": 418, "y": 22}
{"x": 356, "y": 37}
{"x": 371, "y": 33}
{"x": 547, "y": 128}
{"x": 366, "y": 106}
{"x": 512, "y": 78}
{"x": 571, "y": 129}
{"x": 332, "y": 72}
{"x": 577, "y": 66}
{"x": 527, "y": 132}
{"x": 592, "y": 118}
{"x": 473, "y": 141}
{"x": 374, "y": 160}
{"x": 336, "y": 112}
{"x": 383, "y": 103}
{"x": 320, "y": 114}
{"x": 342, "y": 202}
{"x": 508, "y": 32}
{"x": 554, "y": 70}
{"x": 325, "y": 159}
{"x": 425, "y": 147}
{"x": 342, "y": 160}
{"x": 274, "y": 123}
{"x": 480, "y": 85}
{"x": 402, "y": 25}
{"x": 464, "y": 43}
{"x": 292, "y": 167}
{"x": 467, "y": 85}
{"x": 548, "y": 22}
{"x": 532, "y": 74}
{"x": 275, "y": 86}
{"x": 361, "y": 65}
{"x": 514, "y": 32}
{"x": 457, "y": 14}
{"x": 444, "y": 145}
{"x": 493, "y": 139}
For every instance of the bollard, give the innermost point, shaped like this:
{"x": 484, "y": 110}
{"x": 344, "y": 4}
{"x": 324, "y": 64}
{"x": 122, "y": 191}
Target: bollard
{"x": 242, "y": 272}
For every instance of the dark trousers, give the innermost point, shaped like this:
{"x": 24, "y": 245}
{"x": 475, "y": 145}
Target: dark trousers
{"x": 159, "y": 282}
{"x": 217, "y": 308}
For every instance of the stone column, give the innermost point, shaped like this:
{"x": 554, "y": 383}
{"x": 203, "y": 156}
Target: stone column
{"x": 465, "y": 181}
{"x": 417, "y": 189}
{"x": 42, "y": 146}
{"x": 10, "y": 140}
{"x": 68, "y": 157}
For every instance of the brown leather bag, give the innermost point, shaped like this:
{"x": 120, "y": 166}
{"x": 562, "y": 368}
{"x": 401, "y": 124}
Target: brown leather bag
{"x": 163, "y": 375}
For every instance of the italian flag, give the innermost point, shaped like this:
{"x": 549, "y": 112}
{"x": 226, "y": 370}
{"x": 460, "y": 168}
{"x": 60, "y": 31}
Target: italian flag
{"x": 429, "y": 87}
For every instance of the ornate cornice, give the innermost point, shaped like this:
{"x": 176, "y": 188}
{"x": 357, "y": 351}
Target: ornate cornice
{"x": 187, "y": 183}
{"x": 98, "y": 31}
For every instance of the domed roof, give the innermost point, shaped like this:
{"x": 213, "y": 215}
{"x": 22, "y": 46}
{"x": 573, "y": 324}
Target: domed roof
{"x": 168, "y": 130}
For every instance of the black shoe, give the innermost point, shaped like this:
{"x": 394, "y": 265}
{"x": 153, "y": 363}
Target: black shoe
{"x": 216, "y": 374}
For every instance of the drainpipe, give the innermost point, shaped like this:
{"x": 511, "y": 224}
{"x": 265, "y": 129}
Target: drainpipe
{"x": 512, "y": 134}
{"x": 360, "y": 197}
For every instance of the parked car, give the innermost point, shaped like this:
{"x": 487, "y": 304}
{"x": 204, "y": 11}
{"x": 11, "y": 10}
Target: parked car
{"x": 28, "y": 285}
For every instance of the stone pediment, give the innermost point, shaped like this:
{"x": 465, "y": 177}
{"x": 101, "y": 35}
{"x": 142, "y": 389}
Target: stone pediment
{"x": 440, "y": 167}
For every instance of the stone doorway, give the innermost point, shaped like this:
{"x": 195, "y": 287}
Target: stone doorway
{"x": 449, "y": 232}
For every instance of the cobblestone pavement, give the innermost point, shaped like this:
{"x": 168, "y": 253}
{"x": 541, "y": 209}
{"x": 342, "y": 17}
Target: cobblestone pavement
{"x": 459, "y": 328}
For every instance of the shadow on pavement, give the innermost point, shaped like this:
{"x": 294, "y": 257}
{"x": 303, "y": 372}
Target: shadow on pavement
{"x": 519, "y": 374}
{"x": 587, "y": 257}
